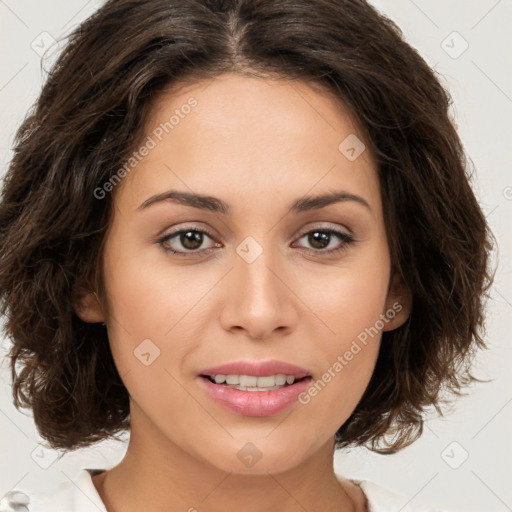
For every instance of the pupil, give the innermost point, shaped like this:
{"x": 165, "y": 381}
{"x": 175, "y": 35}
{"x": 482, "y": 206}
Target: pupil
{"x": 191, "y": 239}
{"x": 319, "y": 239}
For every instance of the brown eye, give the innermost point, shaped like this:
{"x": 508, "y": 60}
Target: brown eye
{"x": 191, "y": 239}
{"x": 327, "y": 241}
{"x": 186, "y": 242}
{"x": 319, "y": 239}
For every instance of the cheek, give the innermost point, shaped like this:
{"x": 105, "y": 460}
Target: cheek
{"x": 149, "y": 308}
{"x": 154, "y": 324}
{"x": 348, "y": 305}
{"x": 150, "y": 297}
{"x": 159, "y": 315}
{"x": 349, "y": 298}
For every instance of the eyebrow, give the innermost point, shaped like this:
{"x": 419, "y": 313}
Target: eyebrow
{"x": 216, "y": 205}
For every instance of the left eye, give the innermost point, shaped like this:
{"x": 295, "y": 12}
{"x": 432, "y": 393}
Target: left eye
{"x": 320, "y": 240}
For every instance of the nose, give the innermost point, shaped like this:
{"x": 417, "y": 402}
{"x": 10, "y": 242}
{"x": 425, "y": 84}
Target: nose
{"x": 258, "y": 299}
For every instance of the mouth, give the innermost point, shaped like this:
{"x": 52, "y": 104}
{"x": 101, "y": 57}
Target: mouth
{"x": 255, "y": 388}
{"x": 250, "y": 395}
{"x": 255, "y": 383}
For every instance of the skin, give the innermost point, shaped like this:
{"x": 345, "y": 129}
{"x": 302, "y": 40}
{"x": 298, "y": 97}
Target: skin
{"x": 257, "y": 144}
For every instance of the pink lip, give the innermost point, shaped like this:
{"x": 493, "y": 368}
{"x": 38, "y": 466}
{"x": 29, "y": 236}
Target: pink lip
{"x": 255, "y": 403}
{"x": 257, "y": 369}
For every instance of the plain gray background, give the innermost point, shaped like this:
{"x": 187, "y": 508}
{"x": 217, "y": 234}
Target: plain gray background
{"x": 463, "y": 461}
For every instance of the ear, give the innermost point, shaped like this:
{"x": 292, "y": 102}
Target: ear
{"x": 87, "y": 306}
{"x": 398, "y": 302}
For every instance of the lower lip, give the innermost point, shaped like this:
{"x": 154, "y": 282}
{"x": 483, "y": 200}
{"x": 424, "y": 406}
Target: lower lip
{"x": 255, "y": 403}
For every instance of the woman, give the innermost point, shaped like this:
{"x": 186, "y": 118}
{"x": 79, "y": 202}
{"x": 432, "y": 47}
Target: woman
{"x": 244, "y": 232}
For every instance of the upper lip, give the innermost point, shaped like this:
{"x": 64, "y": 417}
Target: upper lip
{"x": 257, "y": 369}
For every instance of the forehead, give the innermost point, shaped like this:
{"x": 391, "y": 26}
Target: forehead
{"x": 251, "y": 136}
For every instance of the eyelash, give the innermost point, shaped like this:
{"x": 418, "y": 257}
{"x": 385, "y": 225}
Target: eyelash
{"x": 344, "y": 237}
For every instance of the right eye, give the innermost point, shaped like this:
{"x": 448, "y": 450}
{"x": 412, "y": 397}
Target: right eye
{"x": 186, "y": 242}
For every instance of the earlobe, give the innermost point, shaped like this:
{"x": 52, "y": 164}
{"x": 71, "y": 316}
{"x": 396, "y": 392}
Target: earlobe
{"x": 87, "y": 306}
{"x": 398, "y": 303}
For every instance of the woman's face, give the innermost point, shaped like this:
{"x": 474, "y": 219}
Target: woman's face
{"x": 264, "y": 272}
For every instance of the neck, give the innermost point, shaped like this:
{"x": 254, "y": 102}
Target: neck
{"x": 157, "y": 474}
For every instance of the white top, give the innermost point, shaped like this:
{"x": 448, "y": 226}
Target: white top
{"x": 81, "y": 496}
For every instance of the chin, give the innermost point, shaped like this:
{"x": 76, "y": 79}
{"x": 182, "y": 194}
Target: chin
{"x": 258, "y": 457}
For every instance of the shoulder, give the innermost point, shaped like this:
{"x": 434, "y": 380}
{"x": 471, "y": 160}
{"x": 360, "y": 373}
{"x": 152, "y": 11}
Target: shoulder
{"x": 381, "y": 499}
{"x": 78, "y": 495}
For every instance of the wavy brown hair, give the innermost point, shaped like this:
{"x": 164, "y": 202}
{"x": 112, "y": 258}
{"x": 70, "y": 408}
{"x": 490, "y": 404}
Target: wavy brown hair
{"x": 89, "y": 118}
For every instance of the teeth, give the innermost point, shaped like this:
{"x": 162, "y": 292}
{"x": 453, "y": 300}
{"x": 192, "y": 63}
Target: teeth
{"x": 261, "y": 382}
{"x": 246, "y": 380}
{"x": 250, "y": 381}
{"x": 280, "y": 380}
{"x": 243, "y": 388}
